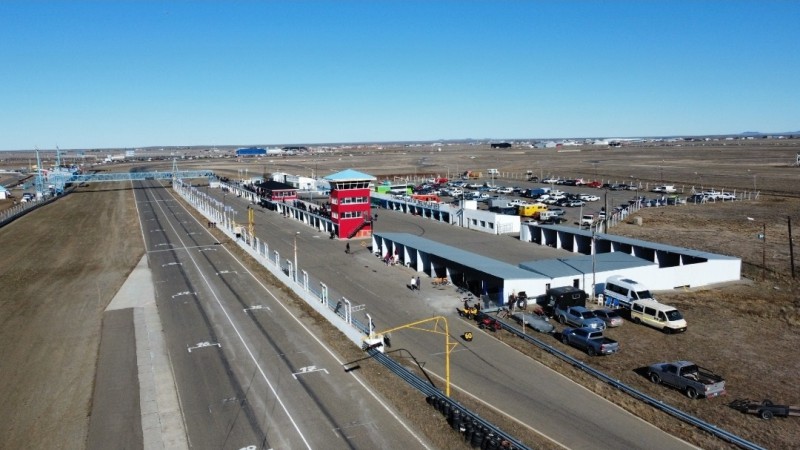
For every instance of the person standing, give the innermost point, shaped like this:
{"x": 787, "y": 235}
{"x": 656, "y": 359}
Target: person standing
{"x": 419, "y": 286}
{"x": 347, "y": 248}
{"x": 412, "y": 283}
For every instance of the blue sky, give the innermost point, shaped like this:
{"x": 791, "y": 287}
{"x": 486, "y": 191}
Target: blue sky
{"x": 132, "y": 74}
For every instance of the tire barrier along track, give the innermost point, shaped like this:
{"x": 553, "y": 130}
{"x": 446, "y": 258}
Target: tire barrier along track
{"x": 675, "y": 412}
{"x": 476, "y": 431}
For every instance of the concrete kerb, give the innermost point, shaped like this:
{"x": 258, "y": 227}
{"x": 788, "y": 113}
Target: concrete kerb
{"x": 352, "y": 333}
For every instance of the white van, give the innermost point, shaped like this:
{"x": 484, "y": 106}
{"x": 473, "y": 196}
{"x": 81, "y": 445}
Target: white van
{"x": 657, "y": 315}
{"x": 621, "y": 291}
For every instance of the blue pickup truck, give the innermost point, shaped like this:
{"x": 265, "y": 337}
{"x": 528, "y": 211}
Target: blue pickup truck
{"x": 580, "y": 317}
{"x": 591, "y": 341}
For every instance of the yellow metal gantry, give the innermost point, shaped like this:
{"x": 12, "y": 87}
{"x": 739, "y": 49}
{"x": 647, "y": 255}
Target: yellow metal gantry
{"x": 436, "y": 328}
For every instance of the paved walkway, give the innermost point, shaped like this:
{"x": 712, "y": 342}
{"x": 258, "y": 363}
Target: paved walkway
{"x": 162, "y": 424}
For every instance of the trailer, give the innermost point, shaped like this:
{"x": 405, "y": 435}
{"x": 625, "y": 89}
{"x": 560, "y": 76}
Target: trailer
{"x": 765, "y": 409}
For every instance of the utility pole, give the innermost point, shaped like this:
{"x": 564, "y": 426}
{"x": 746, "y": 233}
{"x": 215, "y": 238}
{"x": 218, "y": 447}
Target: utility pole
{"x": 791, "y": 246}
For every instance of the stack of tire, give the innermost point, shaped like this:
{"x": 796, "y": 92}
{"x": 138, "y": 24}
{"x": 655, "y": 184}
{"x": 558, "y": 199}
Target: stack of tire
{"x": 477, "y": 435}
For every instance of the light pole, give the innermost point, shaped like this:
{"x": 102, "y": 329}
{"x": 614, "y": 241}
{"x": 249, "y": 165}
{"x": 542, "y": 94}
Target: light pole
{"x": 294, "y": 275}
{"x": 593, "y": 266}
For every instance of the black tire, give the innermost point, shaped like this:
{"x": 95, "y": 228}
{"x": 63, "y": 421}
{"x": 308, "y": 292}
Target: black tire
{"x": 637, "y": 320}
{"x": 655, "y": 378}
{"x": 591, "y": 351}
{"x": 765, "y": 414}
{"x": 667, "y": 330}
{"x": 522, "y": 303}
{"x": 691, "y": 393}
{"x": 470, "y": 316}
{"x": 564, "y": 339}
{"x": 562, "y": 320}
{"x": 767, "y": 403}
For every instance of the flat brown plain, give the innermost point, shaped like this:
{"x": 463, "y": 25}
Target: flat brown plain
{"x": 62, "y": 264}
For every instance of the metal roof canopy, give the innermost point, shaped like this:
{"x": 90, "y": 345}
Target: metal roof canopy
{"x": 479, "y": 263}
{"x": 349, "y": 175}
{"x": 634, "y": 242}
{"x": 576, "y": 265}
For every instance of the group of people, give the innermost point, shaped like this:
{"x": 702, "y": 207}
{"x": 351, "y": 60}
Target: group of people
{"x": 414, "y": 285}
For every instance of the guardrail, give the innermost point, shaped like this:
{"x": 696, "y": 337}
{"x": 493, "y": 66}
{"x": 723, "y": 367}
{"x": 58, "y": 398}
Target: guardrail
{"x": 477, "y": 431}
{"x": 671, "y": 410}
{"x": 20, "y": 209}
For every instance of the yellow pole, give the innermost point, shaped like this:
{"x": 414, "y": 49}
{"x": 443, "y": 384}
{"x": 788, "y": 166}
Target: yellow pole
{"x": 446, "y": 359}
{"x": 251, "y": 220}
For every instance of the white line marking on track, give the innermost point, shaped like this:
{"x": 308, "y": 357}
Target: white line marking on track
{"x": 244, "y": 343}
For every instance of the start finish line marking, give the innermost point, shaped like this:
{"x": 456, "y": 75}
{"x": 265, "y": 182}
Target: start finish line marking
{"x": 202, "y": 345}
{"x": 308, "y": 369}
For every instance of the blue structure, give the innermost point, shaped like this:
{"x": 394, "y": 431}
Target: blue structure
{"x": 251, "y": 151}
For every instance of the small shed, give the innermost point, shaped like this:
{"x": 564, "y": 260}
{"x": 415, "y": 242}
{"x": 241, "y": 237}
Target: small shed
{"x": 4, "y": 194}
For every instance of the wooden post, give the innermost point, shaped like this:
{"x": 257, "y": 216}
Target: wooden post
{"x": 764, "y": 252}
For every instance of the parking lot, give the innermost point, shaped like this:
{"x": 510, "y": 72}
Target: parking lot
{"x": 568, "y": 203}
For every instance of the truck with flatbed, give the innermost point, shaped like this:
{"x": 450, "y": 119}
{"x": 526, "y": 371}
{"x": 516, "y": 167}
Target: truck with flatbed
{"x": 591, "y": 341}
{"x": 765, "y": 408}
{"x": 688, "y": 377}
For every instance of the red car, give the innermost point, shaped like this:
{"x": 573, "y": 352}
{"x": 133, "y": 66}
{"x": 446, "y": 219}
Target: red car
{"x": 594, "y": 184}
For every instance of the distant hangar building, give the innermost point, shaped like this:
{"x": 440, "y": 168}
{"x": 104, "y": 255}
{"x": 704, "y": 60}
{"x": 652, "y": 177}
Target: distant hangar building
{"x": 251, "y": 151}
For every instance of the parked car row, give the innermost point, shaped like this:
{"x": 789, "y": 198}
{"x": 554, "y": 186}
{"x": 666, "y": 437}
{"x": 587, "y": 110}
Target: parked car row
{"x": 585, "y": 330}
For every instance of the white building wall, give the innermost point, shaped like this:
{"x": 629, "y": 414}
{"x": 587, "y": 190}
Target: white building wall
{"x": 489, "y": 222}
{"x": 531, "y": 286}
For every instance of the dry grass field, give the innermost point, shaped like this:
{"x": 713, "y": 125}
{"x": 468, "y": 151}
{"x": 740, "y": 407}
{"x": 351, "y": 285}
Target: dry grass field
{"x": 58, "y": 272}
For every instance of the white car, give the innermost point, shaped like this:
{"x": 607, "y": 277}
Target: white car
{"x": 589, "y": 198}
{"x": 505, "y": 190}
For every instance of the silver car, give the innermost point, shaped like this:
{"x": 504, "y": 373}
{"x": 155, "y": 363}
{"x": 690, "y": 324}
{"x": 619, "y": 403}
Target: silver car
{"x": 611, "y": 318}
{"x": 539, "y": 323}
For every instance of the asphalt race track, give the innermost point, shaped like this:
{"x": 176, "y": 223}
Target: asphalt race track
{"x": 248, "y": 374}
